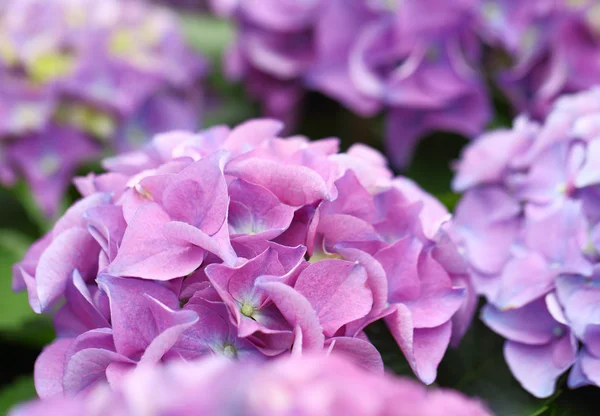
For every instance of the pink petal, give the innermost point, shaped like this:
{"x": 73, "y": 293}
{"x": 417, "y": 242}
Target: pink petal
{"x": 146, "y": 251}
{"x": 361, "y": 352}
{"x": 73, "y": 249}
{"x": 337, "y": 291}
{"x": 49, "y": 367}
{"x": 297, "y": 311}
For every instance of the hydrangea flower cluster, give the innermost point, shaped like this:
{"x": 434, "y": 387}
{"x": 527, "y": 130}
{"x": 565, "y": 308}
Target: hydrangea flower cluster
{"x": 554, "y": 46}
{"x": 415, "y": 59}
{"x": 298, "y": 386}
{"x": 80, "y": 75}
{"x": 239, "y": 243}
{"x": 529, "y": 225}
{"x": 421, "y": 61}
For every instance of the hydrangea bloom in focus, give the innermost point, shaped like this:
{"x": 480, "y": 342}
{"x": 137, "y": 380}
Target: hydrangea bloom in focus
{"x": 554, "y": 46}
{"x": 239, "y": 243}
{"x": 419, "y": 60}
{"x": 529, "y": 226}
{"x": 308, "y": 386}
{"x": 78, "y": 76}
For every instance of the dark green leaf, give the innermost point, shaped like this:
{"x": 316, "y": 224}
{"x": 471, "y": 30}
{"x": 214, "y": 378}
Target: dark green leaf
{"x": 22, "y": 389}
{"x": 17, "y": 321}
{"x": 14, "y": 308}
{"x": 22, "y": 192}
{"x": 431, "y": 167}
{"x": 36, "y": 332}
{"x": 391, "y": 354}
{"x": 14, "y": 214}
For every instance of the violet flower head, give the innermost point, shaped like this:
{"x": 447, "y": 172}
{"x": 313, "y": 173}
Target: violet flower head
{"x": 371, "y": 55}
{"x": 528, "y": 225}
{"x": 239, "y": 243}
{"x": 301, "y": 386}
{"x": 80, "y": 76}
{"x": 554, "y": 47}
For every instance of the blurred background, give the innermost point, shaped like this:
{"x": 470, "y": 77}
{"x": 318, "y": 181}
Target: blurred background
{"x": 476, "y": 368}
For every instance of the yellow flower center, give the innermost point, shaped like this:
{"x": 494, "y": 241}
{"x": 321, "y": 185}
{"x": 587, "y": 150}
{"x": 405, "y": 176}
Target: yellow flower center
{"x": 51, "y": 66}
{"x": 91, "y": 120}
{"x": 229, "y": 351}
{"x": 322, "y": 255}
{"x": 247, "y": 310}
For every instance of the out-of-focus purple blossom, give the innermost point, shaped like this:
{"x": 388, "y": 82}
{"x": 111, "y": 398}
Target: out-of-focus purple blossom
{"x": 81, "y": 75}
{"x": 554, "y": 46}
{"x": 419, "y": 60}
{"x": 239, "y": 243}
{"x": 300, "y": 386}
{"x": 528, "y": 225}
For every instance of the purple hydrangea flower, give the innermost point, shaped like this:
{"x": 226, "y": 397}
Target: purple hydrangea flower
{"x": 237, "y": 242}
{"x": 85, "y": 74}
{"x": 301, "y": 386}
{"x": 528, "y": 225}
{"x": 555, "y": 47}
{"x": 418, "y": 60}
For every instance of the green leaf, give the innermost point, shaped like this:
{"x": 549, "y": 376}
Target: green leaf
{"x": 37, "y": 331}
{"x": 449, "y": 199}
{"x": 431, "y": 166}
{"x": 22, "y": 389}
{"x": 207, "y": 34}
{"x": 14, "y": 214}
{"x": 14, "y": 308}
{"x": 579, "y": 402}
{"x": 23, "y": 193}
{"x": 17, "y": 321}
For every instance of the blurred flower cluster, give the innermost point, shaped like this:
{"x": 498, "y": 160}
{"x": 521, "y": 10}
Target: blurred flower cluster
{"x": 529, "y": 225}
{"x": 554, "y": 46}
{"x": 80, "y": 76}
{"x": 425, "y": 62}
{"x": 300, "y": 386}
{"x": 239, "y": 243}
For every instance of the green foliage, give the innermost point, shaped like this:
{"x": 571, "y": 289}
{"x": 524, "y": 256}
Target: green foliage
{"x": 14, "y": 215}
{"x": 33, "y": 212}
{"x": 207, "y": 34}
{"x": 14, "y": 308}
{"x": 22, "y": 389}
{"x": 17, "y": 321}
{"x": 391, "y": 354}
